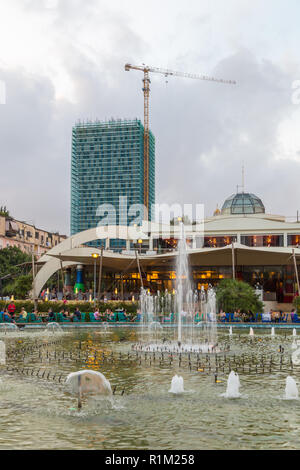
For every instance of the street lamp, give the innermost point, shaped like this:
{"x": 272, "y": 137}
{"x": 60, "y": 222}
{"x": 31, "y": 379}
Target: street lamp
{"x": 95, "y": 256}
{"x": 140, "y": 241}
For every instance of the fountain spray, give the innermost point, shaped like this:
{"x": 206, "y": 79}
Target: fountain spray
{"x": 79, "y": 405}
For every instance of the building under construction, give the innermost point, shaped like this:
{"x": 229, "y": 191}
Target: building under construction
{"x": 108, "y": 163}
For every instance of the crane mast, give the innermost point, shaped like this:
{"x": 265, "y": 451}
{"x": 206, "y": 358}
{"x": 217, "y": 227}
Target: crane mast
{"x": 146, "y": 90}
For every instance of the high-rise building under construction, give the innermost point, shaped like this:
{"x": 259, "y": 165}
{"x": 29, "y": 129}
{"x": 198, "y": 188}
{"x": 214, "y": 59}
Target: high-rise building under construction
{"x": 108, "y": 164}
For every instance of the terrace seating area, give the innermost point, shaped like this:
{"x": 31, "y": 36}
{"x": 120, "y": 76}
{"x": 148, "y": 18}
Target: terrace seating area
{"x": 62, "y": 317}
{"x": 120, "y": 316}
{"x": 260, "y": 318}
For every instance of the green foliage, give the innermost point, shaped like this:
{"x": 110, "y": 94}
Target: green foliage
{"x": 296, "y": 303}
{"x": 15, "y": 267}
{"x": 43, "y": 307}
{"x": 19, "y": 287}
{"x": 4, "y": 212}
{"x": 233, "y": 295}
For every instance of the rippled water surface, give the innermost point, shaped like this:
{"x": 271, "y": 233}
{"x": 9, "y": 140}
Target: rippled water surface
{"x": 36, "y": 412}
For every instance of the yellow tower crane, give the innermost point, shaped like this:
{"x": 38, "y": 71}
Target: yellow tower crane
{"x": 146, "y": 90}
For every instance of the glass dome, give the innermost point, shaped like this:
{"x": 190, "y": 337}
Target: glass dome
{"x": 243, "y": 203}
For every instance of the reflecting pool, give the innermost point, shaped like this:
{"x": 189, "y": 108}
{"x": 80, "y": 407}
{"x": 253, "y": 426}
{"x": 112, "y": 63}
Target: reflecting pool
{"x": 38, "y": 411}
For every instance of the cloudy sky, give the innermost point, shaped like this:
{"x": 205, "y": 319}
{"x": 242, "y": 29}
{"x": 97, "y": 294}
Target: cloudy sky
{"x": 63, "y": 60}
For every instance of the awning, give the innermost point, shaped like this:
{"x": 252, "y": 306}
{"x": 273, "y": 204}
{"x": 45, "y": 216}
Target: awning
{"x": 244, "y": 256}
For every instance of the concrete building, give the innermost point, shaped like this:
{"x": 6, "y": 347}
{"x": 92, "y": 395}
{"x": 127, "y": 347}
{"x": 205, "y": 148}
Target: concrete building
{"x": 26, "y": 236}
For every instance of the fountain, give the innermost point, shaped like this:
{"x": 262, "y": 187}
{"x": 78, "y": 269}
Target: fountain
{"x": 88, "y": 382}
{"x": 8, "y": 327}
{"x": 177, "y": 385}
{"x": 291, "y": 389}
{"x": 155, "y": 325}
{"x": 104, "y": 327}
{"x": 294, "y": 332}
{"x": 184, "y": 295}
{"x": 182, "y": 308}
{"x": 273, "y": 331}
{"x": 296, "y": 355}
{"x": 233, "y": 385}
{"x": 210, "y": 327}
{"x": 54, "y": 327}
{"x": 230, "y": 331}
{"x": 251, "y": 332}
{"x": 2, "y": 353}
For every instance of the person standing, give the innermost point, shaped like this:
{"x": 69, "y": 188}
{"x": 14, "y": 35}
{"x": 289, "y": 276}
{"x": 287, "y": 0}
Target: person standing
{"x": 11, "y": 309}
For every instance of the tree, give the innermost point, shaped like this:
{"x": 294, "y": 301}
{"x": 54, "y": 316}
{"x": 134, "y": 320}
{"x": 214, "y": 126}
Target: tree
{"x": 4, "y": 212}
{"x": 19, "y": 287}
{"x": 233, "y": 295}
{"x": 14, "y": 264}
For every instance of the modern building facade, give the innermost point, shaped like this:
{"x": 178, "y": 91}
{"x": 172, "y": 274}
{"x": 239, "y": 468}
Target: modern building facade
{"x": 108, "y": 164}
{"x": 241, "y": 239}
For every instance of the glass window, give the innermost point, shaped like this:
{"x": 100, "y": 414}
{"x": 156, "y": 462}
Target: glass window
{"x": 262, "y": 240}
{"x": 218, "y": 242}
{"x": 293, "y": 240}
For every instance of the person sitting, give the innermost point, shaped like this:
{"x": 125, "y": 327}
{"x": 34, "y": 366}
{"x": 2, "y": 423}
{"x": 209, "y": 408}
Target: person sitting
{"x": 65, "y": 314}
{"x": 276, "y": 317}
{"x": 34, "y": 315}
{"x": 222, "y": 315}
{"x": 292, "y": 314}
{"x": 250, "y": 316}
{"x": 23, "y": 314}
{"x": 51, "y": 315}
{"x": 266, "y": 316}
{"x": 7, "y": 317}
{"x": 138, "y": 316}
{"x": 126, "y": 317}
{"x": 97, "y": 315}
{"x": 107, "y": 314}
{"x": 237, "y": 315}
{"x": 77, "y": 314}
{"x": 283, "y": 316}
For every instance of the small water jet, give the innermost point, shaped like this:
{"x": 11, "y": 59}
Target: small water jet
{"x": 155, "y": 325}
{"x": 2, "y": 353}
{"x": 296, "y": 356}
{"x": 88, "y": 382}
{"x": 251, "y": 332}
{"x": 233, "y": 385}
{"x": 177, "y": 385}
{"x": 230, "y": 331}
{"x": 54, "y": 327}
{"x": 273, "y": 331}
{"x": 8, "y": 327}
{"x": 294, "y": 332}
{"x": 291, "y": 389}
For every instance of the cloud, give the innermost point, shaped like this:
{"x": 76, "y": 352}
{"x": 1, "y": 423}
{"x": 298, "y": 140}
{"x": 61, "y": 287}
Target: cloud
{"x": 204, "y": 130}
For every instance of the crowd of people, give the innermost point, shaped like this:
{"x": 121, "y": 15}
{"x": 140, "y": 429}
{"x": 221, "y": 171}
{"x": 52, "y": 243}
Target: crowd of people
{"x": 87, "y": 295}
{"x": 249, "y": 316}
{"x": 9, "y": 315}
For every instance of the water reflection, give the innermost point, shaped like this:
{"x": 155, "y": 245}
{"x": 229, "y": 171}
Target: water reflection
{"x": 36, "y": 413}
